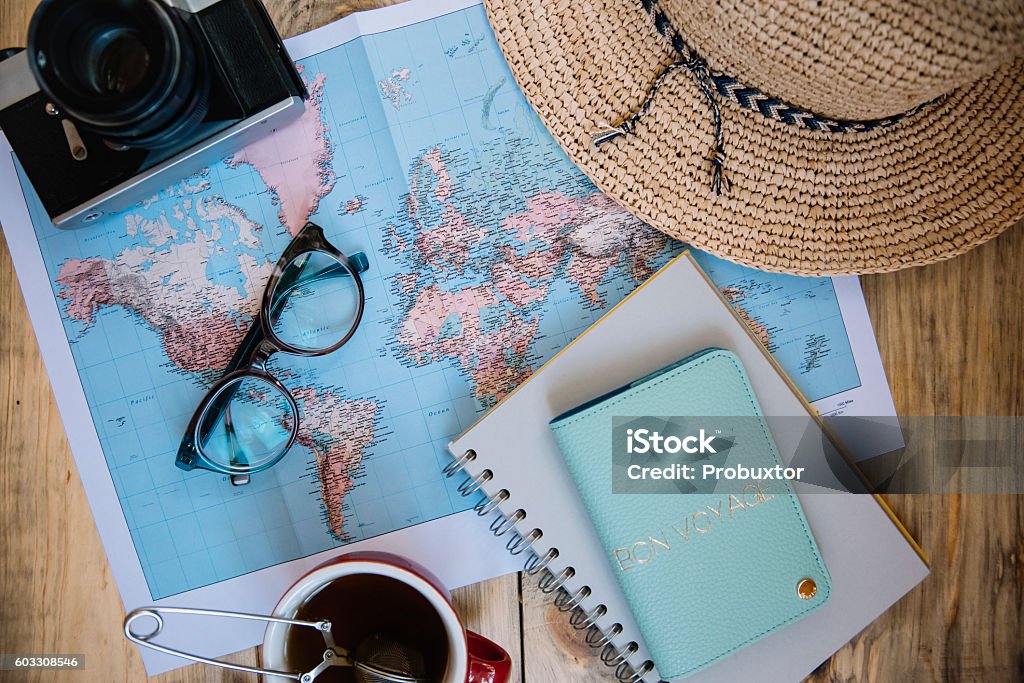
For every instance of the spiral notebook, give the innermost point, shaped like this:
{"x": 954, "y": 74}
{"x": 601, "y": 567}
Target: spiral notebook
{"x": 509, "y": 461}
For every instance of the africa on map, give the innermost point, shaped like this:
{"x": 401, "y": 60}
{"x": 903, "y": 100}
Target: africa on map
{"x": 489, "y": 252}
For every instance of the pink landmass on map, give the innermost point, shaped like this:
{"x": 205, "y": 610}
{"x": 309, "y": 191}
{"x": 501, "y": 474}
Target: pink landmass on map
{"x": 599, "y": 233}
{"x": 545, "y": 216}
{"x": 354, "y": 206}
{"x": 510, "y": 283}
{"x": 197, "y": 319}
{"x": 488, "y": 328}
{"x": 296, "y": 162}
{"x": 450, "y": 324}
{"x": 397, "y": 242}
{"x": 443, "y": 186}
{"x": 494, "y": 375}
{"x": 605, "y": 236}
{"x": 165, "y": 280}
{"x": 442, "y": 179}
{"x": 588, "y": 272}
{"x": 407, "y": 281}
{"x": 735, "y": 295}
{"x": 203, "y": 343}
{"x": 421, "y": 331}
{"x": 448, "y": 245}
{"x": 337, "y": 432}
{"x": 86, "y": 287}
{"x": 538, "y": 264}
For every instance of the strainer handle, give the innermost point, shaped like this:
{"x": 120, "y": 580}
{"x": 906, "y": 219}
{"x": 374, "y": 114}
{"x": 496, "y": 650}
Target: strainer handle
{"x": 156, "y": 613}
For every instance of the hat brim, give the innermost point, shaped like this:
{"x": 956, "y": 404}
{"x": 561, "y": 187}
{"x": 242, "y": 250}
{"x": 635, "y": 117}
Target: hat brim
{"x": 933, "y": 186}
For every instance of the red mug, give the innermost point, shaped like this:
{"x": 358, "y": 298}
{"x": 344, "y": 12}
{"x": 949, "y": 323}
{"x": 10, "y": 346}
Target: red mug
{"x": 470, "y": 657}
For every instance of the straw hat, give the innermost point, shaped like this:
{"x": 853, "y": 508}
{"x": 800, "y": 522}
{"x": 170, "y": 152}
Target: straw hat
{"x": 810, "y": 137}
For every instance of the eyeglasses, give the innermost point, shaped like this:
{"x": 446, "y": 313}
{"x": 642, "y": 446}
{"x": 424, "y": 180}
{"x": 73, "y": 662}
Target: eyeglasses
{"x": 311, "y": 306}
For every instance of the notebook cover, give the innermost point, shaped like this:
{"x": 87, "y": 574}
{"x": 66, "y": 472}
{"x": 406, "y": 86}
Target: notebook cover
{"x": 871, "y": 559}
{"x": 704, "y": 573}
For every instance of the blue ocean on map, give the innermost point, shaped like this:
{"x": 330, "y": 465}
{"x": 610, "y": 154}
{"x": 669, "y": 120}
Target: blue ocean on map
{"x": 489, "y": 251}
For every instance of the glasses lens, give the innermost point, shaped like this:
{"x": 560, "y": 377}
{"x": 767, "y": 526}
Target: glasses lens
{"x": 316, "y": 303}
{"x": 247, "y": 425}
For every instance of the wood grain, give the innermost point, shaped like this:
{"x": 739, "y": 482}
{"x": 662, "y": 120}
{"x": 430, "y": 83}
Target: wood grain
{"x": 951, "y": 336}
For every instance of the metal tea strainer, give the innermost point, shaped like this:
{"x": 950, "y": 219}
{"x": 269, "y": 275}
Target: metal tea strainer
{"x": 377, "y": 658}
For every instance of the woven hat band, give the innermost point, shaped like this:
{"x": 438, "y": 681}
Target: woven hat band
{"x": 714, "y": 86}
{"x": 861, "y": 60}
{"x": 799, "y": 192}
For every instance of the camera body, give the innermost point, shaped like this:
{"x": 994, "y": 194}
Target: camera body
{"x": 115, "y": 99}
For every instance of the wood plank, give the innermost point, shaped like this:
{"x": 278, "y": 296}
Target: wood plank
{"x": 555, "y": 651}
{"x": 951, "y": 339}
{"x": 56, "y": 593}
{"x": 491, "y": 609}
{"x": 14, "y": 18}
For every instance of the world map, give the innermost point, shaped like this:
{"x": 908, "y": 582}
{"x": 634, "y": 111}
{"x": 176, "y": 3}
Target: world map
{"x": 489, "y": 252}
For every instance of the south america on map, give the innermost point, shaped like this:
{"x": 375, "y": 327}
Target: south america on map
{"x": 489, "y": 251}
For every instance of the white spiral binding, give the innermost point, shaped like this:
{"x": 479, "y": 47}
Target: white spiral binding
{"x": 549, "y": 582}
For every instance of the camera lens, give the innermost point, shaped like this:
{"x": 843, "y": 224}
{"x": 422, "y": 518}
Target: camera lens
{"x": 116, "y": 60}
{"x": 129, "y": 70}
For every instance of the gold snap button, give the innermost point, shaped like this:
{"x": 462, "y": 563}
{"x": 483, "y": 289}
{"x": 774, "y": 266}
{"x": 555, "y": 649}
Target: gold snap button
{"x": 806, "y": 589}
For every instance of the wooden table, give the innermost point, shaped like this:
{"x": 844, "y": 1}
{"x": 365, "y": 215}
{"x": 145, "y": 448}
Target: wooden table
{"x": 951, "y": 336}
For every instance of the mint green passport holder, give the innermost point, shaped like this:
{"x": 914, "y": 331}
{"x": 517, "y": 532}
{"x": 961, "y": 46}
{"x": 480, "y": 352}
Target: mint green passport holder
{"x": 704, "y": 573}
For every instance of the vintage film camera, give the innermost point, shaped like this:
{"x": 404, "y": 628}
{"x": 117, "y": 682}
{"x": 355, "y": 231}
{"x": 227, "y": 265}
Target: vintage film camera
{"x": 114, "y": 100}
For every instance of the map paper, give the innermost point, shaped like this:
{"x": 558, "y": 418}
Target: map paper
{"x": 489, "y": 251}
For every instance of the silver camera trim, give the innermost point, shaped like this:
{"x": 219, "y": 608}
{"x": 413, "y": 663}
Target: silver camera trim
{"x": 188, "y": 162}
{"x": 16, "y": 81}
{"x": 191, "y": 6}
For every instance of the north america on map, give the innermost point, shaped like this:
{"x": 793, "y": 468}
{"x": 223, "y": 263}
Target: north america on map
{"x": 201, "y": 322}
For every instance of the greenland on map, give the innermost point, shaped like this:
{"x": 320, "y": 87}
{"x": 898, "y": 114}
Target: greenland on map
{"x": 489, "y": 252}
